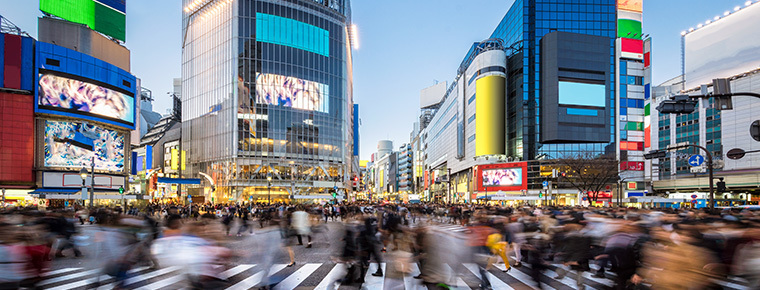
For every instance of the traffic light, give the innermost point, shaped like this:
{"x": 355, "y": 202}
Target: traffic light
{"x": 121, "y": 190}
{"x": 721, "y": 185}
{"x": 655, "y": 154}
{"x": 680, "y": 104}
{"x": 540, "y": 194}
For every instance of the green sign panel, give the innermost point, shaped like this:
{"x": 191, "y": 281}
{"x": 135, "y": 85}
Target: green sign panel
{"x": 628, "y": 28}
{"x": 107, "y": 16}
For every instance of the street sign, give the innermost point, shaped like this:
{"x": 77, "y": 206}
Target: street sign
{"x": 696, "y": 160}
{"x": 698, "y": 169}
{"x": 545, "y": 183}
{"x": 693, "y": 196}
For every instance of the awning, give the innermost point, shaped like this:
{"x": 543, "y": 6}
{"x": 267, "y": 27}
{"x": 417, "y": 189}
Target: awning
{"x": 56, "y": 190}
{"x": 179, "y": 180}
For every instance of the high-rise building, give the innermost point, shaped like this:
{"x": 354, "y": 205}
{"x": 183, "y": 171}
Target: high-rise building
{"x": 267, "y": 97}
{"x": 543, "y": 86}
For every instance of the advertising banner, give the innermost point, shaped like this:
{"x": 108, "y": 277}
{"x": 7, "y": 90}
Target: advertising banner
{"x": 66, "y": 94}
{"x": 72, "y": 144}
{"x": 291, "y": 92}
{"x": 504, "y": 176}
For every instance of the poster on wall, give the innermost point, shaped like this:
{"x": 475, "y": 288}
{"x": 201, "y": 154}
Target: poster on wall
{"x": 72, "y": 144}
{"x": 285, "y": 91}
{"x": 66, "y": 94}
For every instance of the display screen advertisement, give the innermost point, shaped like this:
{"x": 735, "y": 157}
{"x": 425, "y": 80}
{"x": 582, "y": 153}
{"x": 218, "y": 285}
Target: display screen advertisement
{"x": 723, "y": 48}
{"x": 285, "y": 91}
{"x": 505, "y": 177}
{"x": 105, "y": 16}
{"x": 581, "y": 94}
{"x": 64, "y": 93}
{"x": 631, "y": 5}
{"x": 74, "y": 144}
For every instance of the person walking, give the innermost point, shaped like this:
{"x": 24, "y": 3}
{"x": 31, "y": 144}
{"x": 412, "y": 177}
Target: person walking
{"x": 302, "y": 226}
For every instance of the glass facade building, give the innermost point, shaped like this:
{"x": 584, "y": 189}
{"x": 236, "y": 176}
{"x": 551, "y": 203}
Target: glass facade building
{"x": 522, "y": 29}
{"x": 267, "y": 94}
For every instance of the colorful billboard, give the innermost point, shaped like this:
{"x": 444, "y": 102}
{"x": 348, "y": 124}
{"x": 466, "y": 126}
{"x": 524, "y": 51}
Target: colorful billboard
{"x": 631, "y": 5}
{"x": 66, "y": 94}
{"x": 631, "y": 48}
{"x": 72, "y": 144}
{"x": 105, "y": 16}
{"x": 291, "y": 92}
{"x": 504, "y": 176}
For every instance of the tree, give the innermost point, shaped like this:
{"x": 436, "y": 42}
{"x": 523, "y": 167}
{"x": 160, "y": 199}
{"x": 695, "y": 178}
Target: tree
{"x": 589, "y": 172}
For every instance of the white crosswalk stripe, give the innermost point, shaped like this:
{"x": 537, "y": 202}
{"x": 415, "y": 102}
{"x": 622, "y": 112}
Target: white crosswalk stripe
{"x": 248, "y": 276}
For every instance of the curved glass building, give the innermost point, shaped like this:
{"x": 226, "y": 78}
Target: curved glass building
{"x": 267, "y": 98}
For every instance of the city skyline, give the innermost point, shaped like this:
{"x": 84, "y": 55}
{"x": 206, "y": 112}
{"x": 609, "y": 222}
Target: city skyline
{"x": 384, "y": 82}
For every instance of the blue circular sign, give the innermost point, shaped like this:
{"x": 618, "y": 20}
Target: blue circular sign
{"x": 696, "y": 160}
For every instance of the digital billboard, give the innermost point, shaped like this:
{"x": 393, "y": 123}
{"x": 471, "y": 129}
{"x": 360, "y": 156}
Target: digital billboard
{"x": 581, "y": 94}
{"x": 73, "y": 144}
{"x": 105, "y": 16}
{"x": 504, "y": 176}
{"x": 723, "y": 48}
{"x": 631, "y": 5}
{"x": 285, "y": 91}
{"x": 60, "y": 93}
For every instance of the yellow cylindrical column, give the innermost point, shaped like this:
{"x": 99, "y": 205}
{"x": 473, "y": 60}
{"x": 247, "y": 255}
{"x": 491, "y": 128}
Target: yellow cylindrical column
{"x": 489, "y": 115}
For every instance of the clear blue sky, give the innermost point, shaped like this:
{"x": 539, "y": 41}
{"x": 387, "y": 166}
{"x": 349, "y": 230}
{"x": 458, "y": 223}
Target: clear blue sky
{"x": 404, "y": 46}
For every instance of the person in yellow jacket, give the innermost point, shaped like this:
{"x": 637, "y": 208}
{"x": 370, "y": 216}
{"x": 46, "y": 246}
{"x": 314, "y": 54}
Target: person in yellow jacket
{"x": 498, "y": 247}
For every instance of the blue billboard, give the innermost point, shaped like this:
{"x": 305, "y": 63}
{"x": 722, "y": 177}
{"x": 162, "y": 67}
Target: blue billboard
{"x": 70, "y": 83}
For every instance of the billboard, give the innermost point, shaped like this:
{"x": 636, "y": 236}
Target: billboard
{"x": 62, "y": 93}
{"x": 504, "y": 176}
{"x": 630, "y": 5}
{"x": 74, "y": 144}
{"x": 631, "y": 48}
{"x": 285, "y": 91}
{"x": 105, "y": 16}
{"x": 723, "y": 48}
{"x": 582, "y": 94}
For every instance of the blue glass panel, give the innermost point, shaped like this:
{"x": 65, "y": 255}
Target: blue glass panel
{"x": 582, "y": 94}
{"x": 623, "y": 111}
{"x": 582, "y": 112}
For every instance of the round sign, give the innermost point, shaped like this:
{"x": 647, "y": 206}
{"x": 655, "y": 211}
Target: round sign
{"x": 694, "y": 201}
{"x": 754, "y": 130}
{"x": 735, "y": 154}
{"x": 694, "y": 196}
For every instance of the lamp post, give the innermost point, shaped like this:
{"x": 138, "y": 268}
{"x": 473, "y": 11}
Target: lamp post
{"x": 83, "y": 174}
{"x": 92, "y": 182}
{"x": 269, "y": 188}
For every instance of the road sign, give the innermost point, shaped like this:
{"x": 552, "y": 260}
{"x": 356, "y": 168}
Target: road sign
{"x": 545, "y": 183}
{"x": 698, "y": 169}
{"x": 694, "y": 196}
{"x": 696, "y": 160}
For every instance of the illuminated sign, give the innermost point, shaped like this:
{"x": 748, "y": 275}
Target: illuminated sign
{"x": 291, "y": 92}
{"x": 505, "y": 176}
{"x": 631, "y": 48}
{"x": 630, "y": 5}
{"x": 581, "y": 94}
{"x": 71, "y": 144}
{"x": 81, "y": 97}
{"x": 105, "y": 16}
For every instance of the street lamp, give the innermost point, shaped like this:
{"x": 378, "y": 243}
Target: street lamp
{"x": 269, "y": 188}
{"x": 83, "y": 174}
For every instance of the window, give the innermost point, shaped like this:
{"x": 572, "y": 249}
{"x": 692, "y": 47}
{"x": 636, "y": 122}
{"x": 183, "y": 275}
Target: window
{"x": 471, "y": 99}
{"x": 470, "y": 119}
{"x": 471, "y": 138}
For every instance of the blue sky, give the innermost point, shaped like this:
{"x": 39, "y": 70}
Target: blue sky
{"x": 404, "y": 46}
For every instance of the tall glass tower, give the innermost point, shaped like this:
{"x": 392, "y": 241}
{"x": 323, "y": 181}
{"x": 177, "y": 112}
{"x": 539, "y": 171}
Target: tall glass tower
{"x": 267, "y": 97}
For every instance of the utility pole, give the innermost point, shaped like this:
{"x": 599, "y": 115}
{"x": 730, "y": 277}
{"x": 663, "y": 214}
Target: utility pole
{"x": 661, "y": 154}
{"x": 92, "y": 182}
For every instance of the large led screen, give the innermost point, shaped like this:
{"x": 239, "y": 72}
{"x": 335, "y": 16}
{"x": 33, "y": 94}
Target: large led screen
{"x": 503, "y": 177}
{"x": 291, "y": 92}
{"x": 581, "y": 94}
{"x": 105, "y": 16}
{"x": 76, "y": 96}
{"x": 723, "y": 48}
{"x": 71, "y": 144}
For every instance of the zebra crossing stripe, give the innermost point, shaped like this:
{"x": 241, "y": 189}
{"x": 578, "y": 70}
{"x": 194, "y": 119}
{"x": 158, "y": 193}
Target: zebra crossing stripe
{"x": 329, "y": 282}
{"x": 296, "y": 278}
{"x": 149, "y": 275}
{"x": 235, "y": 270}
{"x": 409, "y": 281}
{"x": 163, "y": 283}
{"x": 372, "y": 282}
{"x": 496, "y": 283}
{"x": 520, "y": 276}
{"x": 68, "y": 277}
{"x": 59, "y": 271}
{"x": 81, "y": 283}
{"x": 605, "y": 282}
{"x": 255, "y": 279}
{"x": 112, "y": 285}
{"x": 567, "y": 281}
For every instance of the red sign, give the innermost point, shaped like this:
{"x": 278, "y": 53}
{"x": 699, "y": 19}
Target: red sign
{"x": 632, "y": 185}
{"x": 504, "y": 176}
{"x": 632, "y": 45}
{"x": 632, "y": 165}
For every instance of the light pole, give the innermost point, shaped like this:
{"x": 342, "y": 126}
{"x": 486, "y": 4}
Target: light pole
{"x": 83, "y": 174}
{"x": 92, "y": 182}
{"x": 269, "y": 188}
